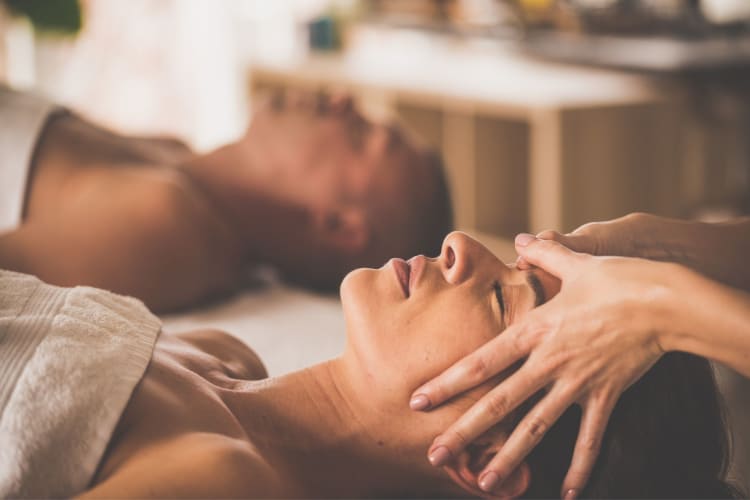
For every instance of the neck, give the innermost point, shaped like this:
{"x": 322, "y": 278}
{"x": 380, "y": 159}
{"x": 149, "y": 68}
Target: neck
{"x": 326, "y": 440}
{"x": 244, "y": 195}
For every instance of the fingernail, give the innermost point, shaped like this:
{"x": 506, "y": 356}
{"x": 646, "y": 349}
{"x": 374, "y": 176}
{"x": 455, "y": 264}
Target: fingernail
{"x": 488, "y": 481}
{"x": 571, "y": 494}
{"x": 524, "y": 239}
{"x": 419, "y": 402}
{"x": 439, "y": 456}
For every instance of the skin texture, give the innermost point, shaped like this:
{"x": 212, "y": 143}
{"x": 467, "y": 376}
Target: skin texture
{"x": 612, "y": 320}
{"x": 149, "y": 218}
{"x": 201, "y": 423}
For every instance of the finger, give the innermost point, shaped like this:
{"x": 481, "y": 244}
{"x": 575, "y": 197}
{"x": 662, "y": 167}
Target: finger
{"x": 588, "y": 444}
{"x": 522, "y": 264}
{"x": 492, "y": 408}
{"x": 525, "y": 437}
{"x": 549, "y": 235}
{"x": 576, "y": 242}
{"x": 484, "y": 363}
{"x": 551, "y": 256}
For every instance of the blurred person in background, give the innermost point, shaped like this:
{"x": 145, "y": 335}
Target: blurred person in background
{"x": 312, "y": 188}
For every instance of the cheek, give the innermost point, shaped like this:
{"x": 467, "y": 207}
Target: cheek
{"x": 446, "y": 330}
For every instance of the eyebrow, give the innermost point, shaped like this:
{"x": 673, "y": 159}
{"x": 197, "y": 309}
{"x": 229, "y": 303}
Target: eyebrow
{"x": 536, "y": 285}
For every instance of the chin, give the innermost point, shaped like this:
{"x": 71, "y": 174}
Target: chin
{"x": 354, "y": 284}
{"x": 356, "y": 292}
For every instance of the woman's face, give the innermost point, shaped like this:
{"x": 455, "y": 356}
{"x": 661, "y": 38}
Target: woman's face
{"x": 408, "y": 321}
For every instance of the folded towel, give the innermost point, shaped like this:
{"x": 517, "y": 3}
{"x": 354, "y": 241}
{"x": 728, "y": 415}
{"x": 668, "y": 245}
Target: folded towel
{"x": 70, "y": 359}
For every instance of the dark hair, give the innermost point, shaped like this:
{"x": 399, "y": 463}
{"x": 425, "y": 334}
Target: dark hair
{"x": 666, "y": 438}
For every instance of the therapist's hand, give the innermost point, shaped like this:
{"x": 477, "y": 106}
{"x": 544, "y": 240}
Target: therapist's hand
{"x": 635, "y": 235}
{"x": 586, "y": 346}
{"x": 716, "y": 250}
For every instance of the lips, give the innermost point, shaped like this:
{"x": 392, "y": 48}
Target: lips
{"x": 408, "y": 272}
{"x": 403, "y": 274}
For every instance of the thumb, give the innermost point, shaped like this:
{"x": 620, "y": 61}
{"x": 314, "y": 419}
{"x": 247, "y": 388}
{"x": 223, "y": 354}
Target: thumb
{"x": 548, "y": 255}
{"x": 576, "y": 242}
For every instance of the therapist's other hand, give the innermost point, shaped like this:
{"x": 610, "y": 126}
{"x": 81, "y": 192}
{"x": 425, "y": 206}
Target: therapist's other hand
{"x": 586, "y": 346}
{"x": 634, "y": 235}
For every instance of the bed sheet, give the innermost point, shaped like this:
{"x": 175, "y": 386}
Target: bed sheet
{"x": 289, "y": 328}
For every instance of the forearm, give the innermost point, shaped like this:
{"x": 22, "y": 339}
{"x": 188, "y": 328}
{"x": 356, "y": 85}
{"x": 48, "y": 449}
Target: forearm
{"x": 708, "y": 319}
{"x": 717, "y": 250}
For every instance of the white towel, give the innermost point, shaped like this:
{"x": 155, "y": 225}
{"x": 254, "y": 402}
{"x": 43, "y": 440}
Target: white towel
{"x": 69, "y": 361}
{"x": 22, "y": 119}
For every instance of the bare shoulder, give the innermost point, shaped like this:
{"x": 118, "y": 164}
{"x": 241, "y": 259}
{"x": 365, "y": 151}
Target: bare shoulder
{"x": 234, "y": 353}
{"x": 193, "y": 465}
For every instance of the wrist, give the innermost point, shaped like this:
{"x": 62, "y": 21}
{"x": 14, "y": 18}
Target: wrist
{"x": 664, "y": 305}
{"x": 704, "y": 317}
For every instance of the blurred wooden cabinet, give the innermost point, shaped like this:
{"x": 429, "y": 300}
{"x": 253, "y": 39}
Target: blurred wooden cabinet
{"x": 529, "y": 145}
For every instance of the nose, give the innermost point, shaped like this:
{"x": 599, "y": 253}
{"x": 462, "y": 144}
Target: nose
{"x": 457, "y": 257}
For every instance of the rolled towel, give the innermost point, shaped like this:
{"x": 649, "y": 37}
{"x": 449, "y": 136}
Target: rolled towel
{"x": 70, "y": 359}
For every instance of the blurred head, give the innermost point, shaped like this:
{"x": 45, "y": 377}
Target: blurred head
{"x": 371, "y": 192}
{"x": 408, "y": 321}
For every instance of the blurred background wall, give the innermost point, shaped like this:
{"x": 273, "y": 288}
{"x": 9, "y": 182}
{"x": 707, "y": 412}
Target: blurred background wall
{"x": 549, "y": 113}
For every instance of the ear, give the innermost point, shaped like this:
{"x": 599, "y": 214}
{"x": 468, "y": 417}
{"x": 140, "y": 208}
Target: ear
{"x": 465, "y": 469}
{"x": 344, "y": 228}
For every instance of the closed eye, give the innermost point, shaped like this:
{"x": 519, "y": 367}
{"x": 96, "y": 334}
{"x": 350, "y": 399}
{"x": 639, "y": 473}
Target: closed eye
{"x": 499, "y": 296}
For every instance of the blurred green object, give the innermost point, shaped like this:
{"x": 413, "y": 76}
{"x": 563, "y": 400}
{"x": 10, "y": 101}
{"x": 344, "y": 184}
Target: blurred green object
{"x": 59, "y": 16}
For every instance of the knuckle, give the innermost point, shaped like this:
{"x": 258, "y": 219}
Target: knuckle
{"x": 519, "y": 343}
{"x": 591, "y": 444}
{"x": 556, "y": 361}
{"x": 536, "y": 428}
{"x": 457, "y": 439}
{"x": 478, "y": 370}
{"x": 435, "y": 392}
{"x": 548, "y": 235}
{"x": 635, "y": 216}
{"x": 523, "y": 339}
{"x": 605, "y": 397}
{"x": 569, "y": 390}
{"x": 497, "y": 406}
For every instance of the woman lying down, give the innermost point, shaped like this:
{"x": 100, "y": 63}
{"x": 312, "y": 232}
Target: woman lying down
{"x": 94, "y": 405}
